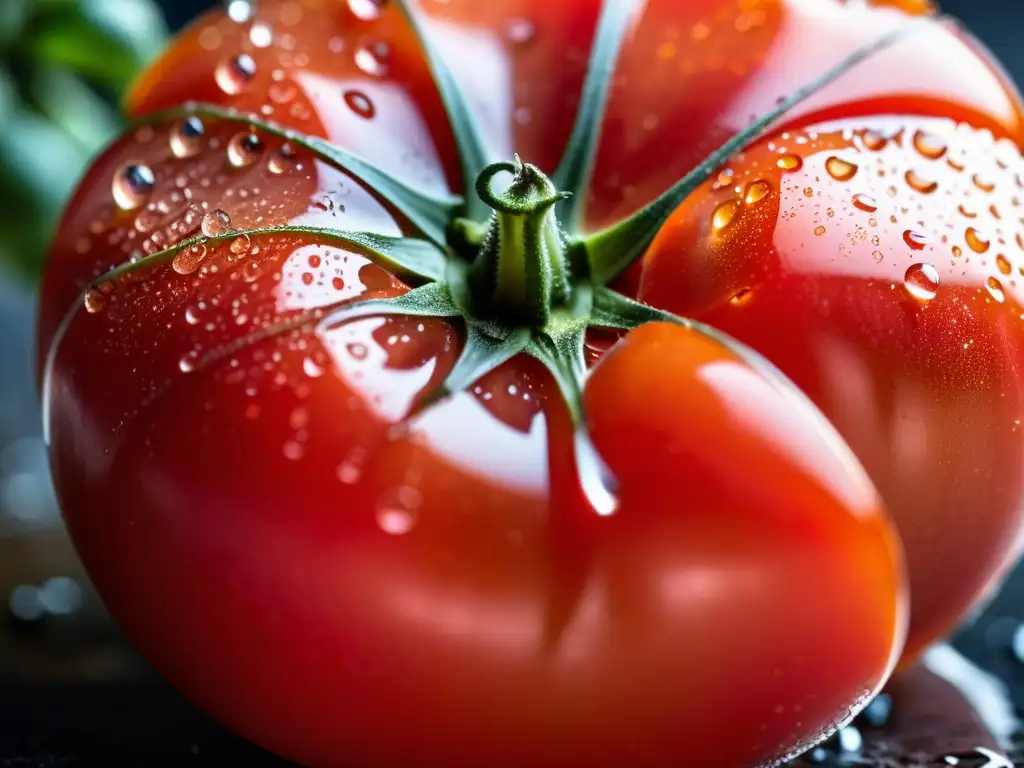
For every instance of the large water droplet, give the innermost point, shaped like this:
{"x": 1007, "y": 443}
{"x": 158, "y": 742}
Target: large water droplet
{"x": 1003, "y": 264}
{"x": 234, "y": 73}
{"x": 790, "y": 163}
{"x": 915, "y": 240}
{"x": 725, "y": 214}
{"x": 995, "y": 290}
{"x": 244, "y": 149}
{"x": 757, "y": 191}
{"x": 372, "y": 58}
{"x": 398, "y": 510}
{"x": 865, "y": 203}
{"x": 95, "y": 301}
{"x": 360, "y": 103}
{"x": 929, "y": 145}
{"x": 976, "y": 241}
{"x": 367, "y": 10}
{"x": 922, "y": 281}
{"x": 839, "y": 169}
{"x": 187, "y": 137}
{"x": 215, "y": 223}
{"x": 188, "y": 260}
{"x": 131, "y": 185}
{"x": 919, "y": 183}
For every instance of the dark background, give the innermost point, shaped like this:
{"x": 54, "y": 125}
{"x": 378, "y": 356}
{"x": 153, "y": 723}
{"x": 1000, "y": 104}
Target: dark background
{"x": 67, "y": 678}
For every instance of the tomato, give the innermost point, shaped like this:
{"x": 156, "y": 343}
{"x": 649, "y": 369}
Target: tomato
{"x": 357, "y": 495}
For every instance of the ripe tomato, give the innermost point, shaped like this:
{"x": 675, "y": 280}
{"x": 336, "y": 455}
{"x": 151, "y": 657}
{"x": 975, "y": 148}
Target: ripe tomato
{"x": 283, "y": 519}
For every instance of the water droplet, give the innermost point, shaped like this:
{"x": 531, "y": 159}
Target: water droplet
{"x": 819, "y": 231}
{"x": 373, "y": 58}
{"x": 723, "y": 179}
{"x": 976, "y": 241}
{"x": 917, "y": 182}
{"x": 865, "y": 203}
{"x": 725, "y": 214}
{"x": 188, "y": 260}
{"x": 131, "y": 185}
{"x": 985, "y": 185}
{"x": 839, "y": 169}
{"x": 741, "y": 297}
{"x": 244, "y": 148}
{"x": 967, "y": 212}
{"x": 187, "y": 363}
{"x": 790, "y": 163}
{"x": 757, "y": 191}
{"x": 929, "y": 145}
{"x": 240, "y": 245}
{"x": 520, "y": 31}
{"x": 995, "y": 289}
{"x": 187, "y": 137}
{"x": 957, "y": 251}
{"x": 240, "y": 11}
{"x": 915, "y": 240}
{"x": 367, "y": 10}
{"x": 1003, "y": 264}
{"x": 312, "y": 368}
{"x": 192, "y": 315}
{"x": 596, "y": 479}
{"x": 922, "y": 281}
{"x": 357, "y": 351}
{"x": 360, "y": 103}
{"x": 281, "y": 161}
{"x": 878, "y": 256}
{"x": 874, "y": 141}
{"x": 398, "y": 510}
{"x": 261, "y": 35}
{"x": 95, "y": 301}
{"x": 234, "y": 74}
{"x": 215, "y": 223}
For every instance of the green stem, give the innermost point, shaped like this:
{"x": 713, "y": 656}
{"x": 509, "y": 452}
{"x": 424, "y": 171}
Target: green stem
{"x": 521, "y": 271}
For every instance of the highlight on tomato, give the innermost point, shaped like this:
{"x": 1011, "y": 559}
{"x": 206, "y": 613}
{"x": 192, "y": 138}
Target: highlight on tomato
{"x": 519, "y": 383}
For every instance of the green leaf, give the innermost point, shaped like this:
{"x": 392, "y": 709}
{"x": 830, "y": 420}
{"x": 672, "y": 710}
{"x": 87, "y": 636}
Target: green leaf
{"x": 403, "y": 255}
{"x": 73, "y": 106}
{"x": 428, "y": 213}
{"x": 612, "y": 251}
{"x": 430, "y": 300}
{"x": 573, "y": 174}
{"x": 468, "y": 137}
{"x": 613, "y": 310}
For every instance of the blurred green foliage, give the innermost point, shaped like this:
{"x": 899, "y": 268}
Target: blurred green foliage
{"x": 64, "y": 66}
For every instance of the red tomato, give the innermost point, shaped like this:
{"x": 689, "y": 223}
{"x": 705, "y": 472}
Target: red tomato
{"x": 346, "y": 585}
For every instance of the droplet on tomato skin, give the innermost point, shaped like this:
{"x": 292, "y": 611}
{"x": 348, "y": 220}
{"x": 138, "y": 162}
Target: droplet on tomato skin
{"x": 187, "y": 261}
{"x": 281, "y": 161}
{"x": 874, "y": 141}
{"x": 240, "y": 11}
{"x": 839, "y": 169}
{"x": 520, "y": 31}
{"x": 188, "y": 361}
{"x": 312, "y": 368}
{"x": 132, "y": 185}
{"x": 215, "y": 222}
{"x": 360, "y": 103}
{"x": 995, "y": 290}
{"x": 240, "y": 245}
{"x": 976, "y": 241}
{"x": 398, "y": 510}
{"x": 366, "y": 10}
{"x": 234, "y": 74}
{"x": 372, "y": 58}
{"x": 741, "y": 297}
{"x": 819, "y": 231}
{"x": 1003, "y": 264}
{"x": 261, "y": 35}
{"x": 865, "y": 203}
{"x": 187, "y": 137}
{"x": 915, "y": 240}
{"x": 244, "y": 148}
{"x": 757, "y": 191}
{"x": 725, "y": 215}
{"x": 95, "y": 302}
{"x": 982, "y": 183}
{"x": 920, "y": 184}
{"x": 357, "y": 351}
{"x": 790, "y": 163}
{"x": 966, "y": 212}
{"x": 929, "y": 145}
{"x": 921, "y": 281}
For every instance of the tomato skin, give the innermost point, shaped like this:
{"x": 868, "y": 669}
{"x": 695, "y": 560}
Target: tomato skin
{"x": 826, "y": 277}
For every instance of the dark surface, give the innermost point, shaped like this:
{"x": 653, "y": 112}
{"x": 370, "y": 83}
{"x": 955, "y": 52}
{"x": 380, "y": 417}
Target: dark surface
{"x": 72, "y": 693}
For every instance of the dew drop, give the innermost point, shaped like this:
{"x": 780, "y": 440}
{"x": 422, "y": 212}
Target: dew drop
{"x": 240, "y": 11}
{"x": 215, "y": 223}
{"x": 790, "y": 163}
{"x": 373, "y": 59}
{"x": 367, "y": 10}
{"x": 920, "y": 184}
{"x": 741, "y": 297}
{"x": 192, "y": 316}
{"x": 520, "y": 31}
{"x": 244, "y": 148}
{"x": 957, "y": 251}
{"x": 398, "y": 510}
{"x": 312, "y": 368}
{"x": 976, "y": 241}
{"x": 995, "y": 290}
{"x": 922, "y": 281}
{"x": 874, "y": 141}
{"x": 240, "y": 245}
{"x": 865, "y": 203}
{"x": 725, "y": 215}
{"x": 985, "y": 185}
{"x": 360, "y": 103}
{"x": 357, "y": 351}
{"x": 187, "y": 137}
{"x": 757, "y": 191}
{"x": 915, "y": 240}
{"x": 929, "y": 145}
{"x": 95, "y": 301}
{"x": 281, "y": 161}
{"x": 261, "y": 35}
{"x": 819, "y": 231}
{"x": 234, "y": 74}
{"x": 338, "y": 284}
{"x": 131, "y": 186}
{"x": 966, "y": 212}
{"x": 878, "y": 256}
{"x": 187, "y": 363}
{"x": 188, "y": 260}
{"x": 839, "y": 169}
